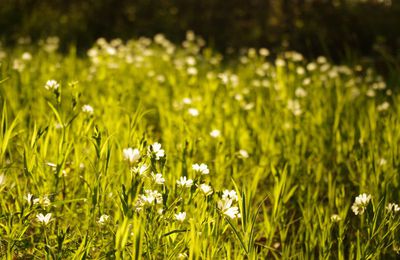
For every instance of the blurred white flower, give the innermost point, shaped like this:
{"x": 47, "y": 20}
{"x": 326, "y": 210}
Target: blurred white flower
{"x": 193, "y": 112}
{"x": 201, "y": 168}
{"x": 300, "y": 92}
{"x": 215, "y": 133}
{"x": 131, "y": 155}
{"x": 243, "y": 154}
{"x": 229, "y": 194}
{"x": 184, "y": 182}
{"x": 360, "y": 203}
{"x": 206, "y": 189}
{"x": 384, "y": 106}
{"x": 149, "y": 197}
{"x": 43, "y": 201}
{"x": 43, "y": 219}
{"x": 26, "y": 56}
{"x": 52, "y": 85}
{"x": 87, "y": 109}
{"x": 264, "y": 52}
{"x": 181, "y": 216}
{"x": 158, "y": 178}
{"x": 103, "y": 219}
{"x": 335, "y": 218}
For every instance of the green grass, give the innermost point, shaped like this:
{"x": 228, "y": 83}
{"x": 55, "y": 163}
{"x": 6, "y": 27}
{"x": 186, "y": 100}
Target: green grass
{"x": 298, "y": 141}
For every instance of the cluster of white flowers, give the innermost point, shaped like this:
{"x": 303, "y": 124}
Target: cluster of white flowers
{"x": 360, "y": 203}
{"x": 227, "y": 204}
{"x": 149, "y": 198}
{"x": 393, "y": 207}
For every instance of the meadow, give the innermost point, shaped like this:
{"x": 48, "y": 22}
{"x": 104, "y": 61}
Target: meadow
{"x": 147, "y": 149}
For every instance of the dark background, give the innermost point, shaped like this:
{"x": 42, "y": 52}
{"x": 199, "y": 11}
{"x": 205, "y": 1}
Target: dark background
{"x": 339, "y": 29}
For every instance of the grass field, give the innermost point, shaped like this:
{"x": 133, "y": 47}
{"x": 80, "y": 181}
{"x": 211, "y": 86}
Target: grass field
{"x": 146, "y": 149}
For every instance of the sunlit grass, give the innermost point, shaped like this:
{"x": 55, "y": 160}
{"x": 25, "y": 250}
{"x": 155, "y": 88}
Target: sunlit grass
{"x": 147, "y": 149}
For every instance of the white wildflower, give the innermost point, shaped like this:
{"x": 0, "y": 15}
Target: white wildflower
{"x": 393, "y": 207}
{"x": 103, "y": 219}
{"x": 193, "y": 112}
{"x": 131, "y": 155}
{"x": 43, "y": 219}
{"x": 158, "y": 178}
{"x": 52, "y": 85}
{"x": 181, "y": 216}
{"x": 229, "y": 194}
{"x": 360, "y": 203}
{"x": 88, "y": 109}
{"x": 206, "y": 189}
{"x": 243, "y": 154}
{"x": 215, "y": 133}
{"x": 43, "y": 201}
{"x": 201, "y": 168}
{"x": 157, "y": 151}
{"x": 335, "y": 218}
{"x": 184, "y": 182}
{"x": 225, "y": 205}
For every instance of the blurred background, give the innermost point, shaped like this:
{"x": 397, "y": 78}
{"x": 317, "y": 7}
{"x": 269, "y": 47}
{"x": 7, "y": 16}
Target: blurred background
{"x": 339, "y": 29}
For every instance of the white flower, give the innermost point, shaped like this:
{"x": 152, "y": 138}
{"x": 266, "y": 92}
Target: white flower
{"x": 26, "y": 56}
{"x": 300, "y": 92}
{"x": 181, "y": 216}
{"x": 87, "y": 109}
{"x": 225, "y": 205}
{"x": 52, "y": 85}
{"x": 229, "y": 194}
{"x": 193, "y": 112}
{"x": 184, "y": 182}
{"x": 335, "y": 218}
{"x": 360, "y": 203}
{"x": 43, "y": 219}
{"x": 158, "y": 178}
{"x": 215, "y": 133}
{"x": 206, "y": 189}
{"x": 150, "y": 197}
{"x": 243, "y": 154}
{"x": 384, "y": 106}
{"x": 157, "y": 151}
{"x": 393, "y": 207}
{"x": 187, "y": 101}
{"x": 140, "y": 170}
{"x": 43, "y": 201}
{"x": 29, "y": 197}
{"x": 103, "y": 219}
{"x": 131, "y": 155}
{"x": 202, "y": 168}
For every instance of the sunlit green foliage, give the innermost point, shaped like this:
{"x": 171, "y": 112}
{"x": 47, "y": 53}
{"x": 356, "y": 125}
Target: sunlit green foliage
{"x": 146, "y": 149}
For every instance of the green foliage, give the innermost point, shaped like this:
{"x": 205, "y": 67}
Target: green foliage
{"x": 146, "y": 149}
